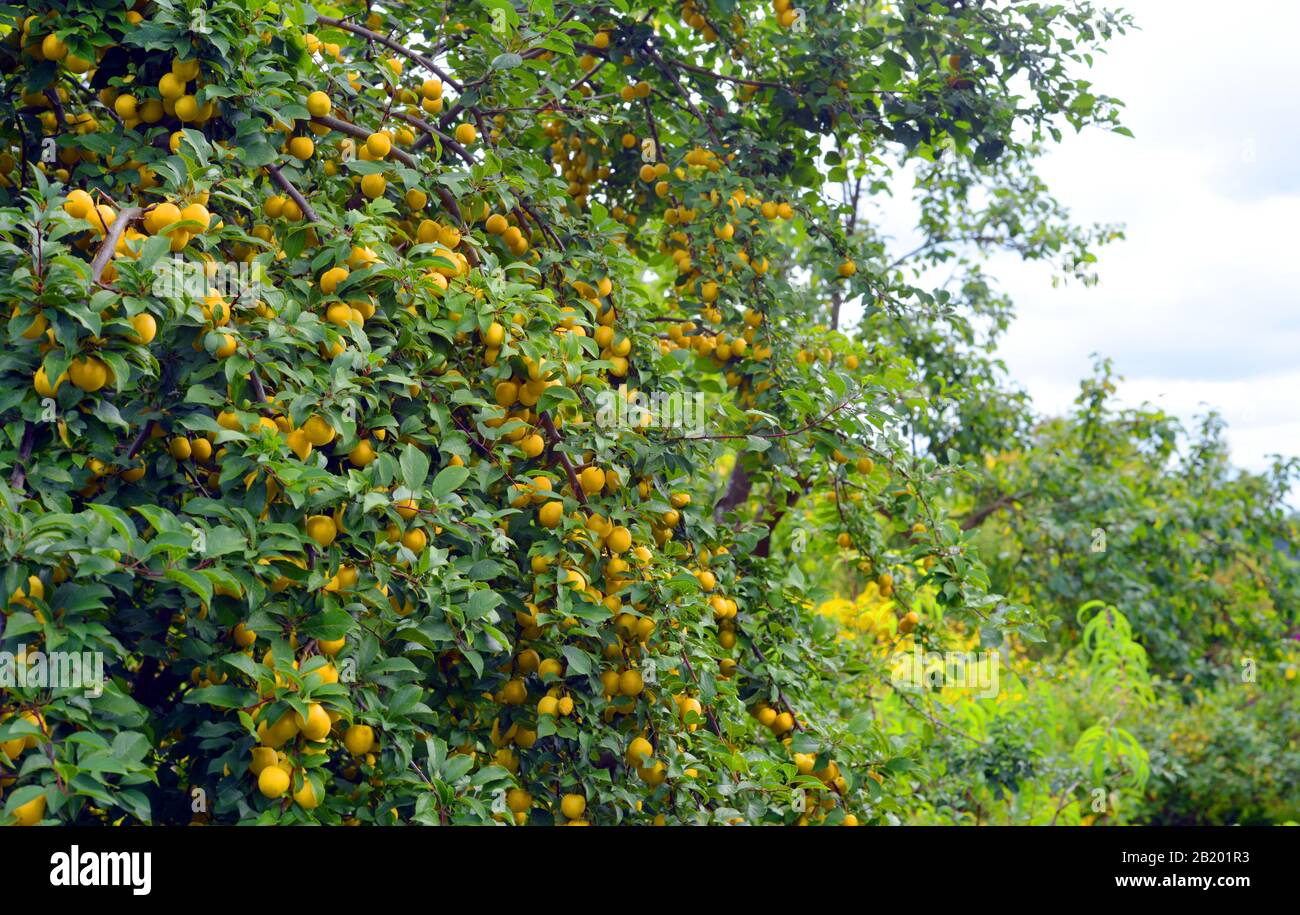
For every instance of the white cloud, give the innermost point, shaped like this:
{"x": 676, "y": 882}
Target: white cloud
{"x": 1200, "y": 306}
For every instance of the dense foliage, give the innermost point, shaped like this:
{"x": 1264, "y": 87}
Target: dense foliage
{"x": 443, "y": 413}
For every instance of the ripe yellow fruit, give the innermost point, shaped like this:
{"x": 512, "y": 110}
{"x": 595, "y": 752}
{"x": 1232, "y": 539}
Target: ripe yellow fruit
{"x": 708, "y": 581}
{"x": 187, "y": 108}
{"x": 322, "y": 529}
{"x": 299, "y": 444}
{"x": 317, "y": 723}
{"x": 12, "y": 748}
{"x": 160, "y": 217}
{"x": 518, "y": 800}
{"x": 379, "y": 144}
{"x": 496, "y": 224}
{"x": 198, "y": 213}
{"x": 363, "y": 454}
{"x": 573, "y": 806}
{"x": 619, "y": 540}
{"x": 689, "y": 706}
{"x": 273, "y": 782}
{"x": 305, "y": 797}
{"x": 514, "y": 692}
{"x": 262, "y": 758}
{"x": 592, "y": 480}
{"x": 88, "y": 373}
{"x": 243, "y": 635}
{"x": 53, "y": 47}
{"x": 466, "y": 134}
{"x": 185, "y": 69}
{"x": 532, "y": 445}
{"x": 35, "y": 588}
{"x": 359, "y": 739}
{"x": 630, "y": 683}
{"x": 32, "y": 812}
{"x": 318, "y": 431}
{"x": 301, "y": 148}
{"x": 319, "y": 104}
{"x": 373, "y": 186}
{"x": 146, "y": 328}
{"x": 171, "y": 86}
{"x": 41, "y": 382}
{"x": 653, "y": 775}
{"x": 415, "y": 540}
{"x": 331, "y": 278}
{"x": 339, "y": 314}
{"x": 550, "y": 668}
{"x": 180, "y": 448}
{"x": 639, "y": 752}
{"x": 78, "y": 204}
{"x": 550, "y": 514}
{"x": 847, "y": 269}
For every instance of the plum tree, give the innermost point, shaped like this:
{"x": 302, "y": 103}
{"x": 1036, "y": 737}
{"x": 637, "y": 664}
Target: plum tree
{"x": 311, "y": 309}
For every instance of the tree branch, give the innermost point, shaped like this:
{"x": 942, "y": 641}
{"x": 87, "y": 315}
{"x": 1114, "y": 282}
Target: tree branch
{"x": 278, "y": 176}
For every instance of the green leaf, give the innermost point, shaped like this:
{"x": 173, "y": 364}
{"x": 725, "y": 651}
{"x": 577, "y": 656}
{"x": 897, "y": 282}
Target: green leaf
{"x": 447, "y": 481}
{"x": 415, "y": 467}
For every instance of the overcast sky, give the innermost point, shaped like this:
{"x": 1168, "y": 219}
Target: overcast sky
{"x": 1200, "y": 306}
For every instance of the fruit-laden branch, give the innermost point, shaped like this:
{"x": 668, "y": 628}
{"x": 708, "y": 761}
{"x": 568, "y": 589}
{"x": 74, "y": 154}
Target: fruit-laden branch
{"x": 361, "y": 133}
{"x": 397, "y": 46}
{"x": 111, "y": 238}
{"x": 548, "y": 425}
{"x": 708, "y": 712}
{"x": 293, "y": 192}
{"x": 57, "y": 104}
{"x": 448, "y": 201}
{"x": 780, "y": 694}
{"x": 430, "y": 132}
